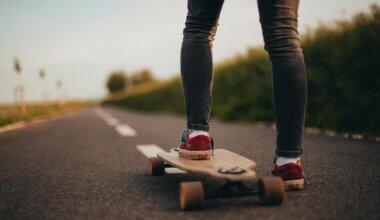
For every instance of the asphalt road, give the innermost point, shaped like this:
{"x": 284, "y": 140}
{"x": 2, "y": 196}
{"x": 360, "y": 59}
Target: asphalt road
{"x": 86, "y": 166}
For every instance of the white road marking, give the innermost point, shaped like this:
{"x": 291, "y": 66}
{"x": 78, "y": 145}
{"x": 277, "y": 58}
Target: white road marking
{"x": 112, "y": 121}
{"x": 100, "y": 112}
{"x": 151, "y": 150}
{"x": 125, "y": 130}
{"x": 173, "y": 170}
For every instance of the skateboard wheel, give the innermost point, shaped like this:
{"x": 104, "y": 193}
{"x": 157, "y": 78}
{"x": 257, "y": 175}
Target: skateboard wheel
{"x": 191, "y": 195}
{"x": 272, "y": 190}
{"x": 156, "y": 166}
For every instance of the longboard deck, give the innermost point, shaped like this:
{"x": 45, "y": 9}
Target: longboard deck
{"x": 221, "y": 160}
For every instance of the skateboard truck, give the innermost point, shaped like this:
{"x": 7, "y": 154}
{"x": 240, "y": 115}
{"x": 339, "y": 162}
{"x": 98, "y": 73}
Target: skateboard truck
{"x": 232, "y": 189}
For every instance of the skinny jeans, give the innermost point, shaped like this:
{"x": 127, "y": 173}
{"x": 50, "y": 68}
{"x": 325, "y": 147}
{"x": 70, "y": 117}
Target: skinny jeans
{"x": 279, "y": 22}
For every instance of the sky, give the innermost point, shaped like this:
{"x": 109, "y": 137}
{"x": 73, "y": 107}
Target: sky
{"x": 81, "y": 41}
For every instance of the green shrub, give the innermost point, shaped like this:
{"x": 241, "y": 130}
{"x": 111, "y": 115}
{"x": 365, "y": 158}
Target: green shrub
{"x": 343, "y": 71}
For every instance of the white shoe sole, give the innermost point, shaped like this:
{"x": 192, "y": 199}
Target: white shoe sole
{"x": 195, "y": 155}
{"x": 291, "y": 185}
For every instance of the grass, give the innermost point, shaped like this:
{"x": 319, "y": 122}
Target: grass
{"x": 10, "y": 114}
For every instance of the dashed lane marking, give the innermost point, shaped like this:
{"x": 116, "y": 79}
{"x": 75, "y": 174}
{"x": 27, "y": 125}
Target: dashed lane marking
{"x": 101, "y": 113}
{"x": 151, "y": 150}
{"x": 107, "y": 117}
{"x": 125, "y": 130}
{"x": 112, "y": 121}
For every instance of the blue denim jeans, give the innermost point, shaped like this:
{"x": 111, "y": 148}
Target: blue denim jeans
{"x": 279, "y": 23}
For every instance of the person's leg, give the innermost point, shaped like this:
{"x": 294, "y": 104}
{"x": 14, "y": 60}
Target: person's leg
{"x": 196, "y": 60}
{"x": 279, "y": 25}
{"x": 196, "y": 71}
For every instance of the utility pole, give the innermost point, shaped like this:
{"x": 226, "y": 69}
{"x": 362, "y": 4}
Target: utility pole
{"x": 45, "y": 95}
{"x": 59, "y": 85}
{"x": 19, "y": 90}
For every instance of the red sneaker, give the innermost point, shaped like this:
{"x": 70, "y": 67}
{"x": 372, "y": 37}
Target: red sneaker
{"x": 291, "y": 174}
{"x": 197, "y": 148}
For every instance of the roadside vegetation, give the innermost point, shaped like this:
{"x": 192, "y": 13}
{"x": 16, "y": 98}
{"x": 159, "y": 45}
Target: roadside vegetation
{"x": 343, "y": 70}
{"x": 11, "y": 114}
{"x": 21, "y": 111}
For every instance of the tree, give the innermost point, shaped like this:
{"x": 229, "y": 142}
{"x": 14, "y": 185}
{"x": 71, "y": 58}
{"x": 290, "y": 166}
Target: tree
{"x": 45, "y": 93}
{"x": 117, "y": 81}
{"x": 58, "y": 84}
{"x": 142, "y": 76}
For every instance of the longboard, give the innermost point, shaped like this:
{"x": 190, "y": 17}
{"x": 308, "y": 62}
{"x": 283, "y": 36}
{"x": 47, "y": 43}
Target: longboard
{"x": 224, "y": 165}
